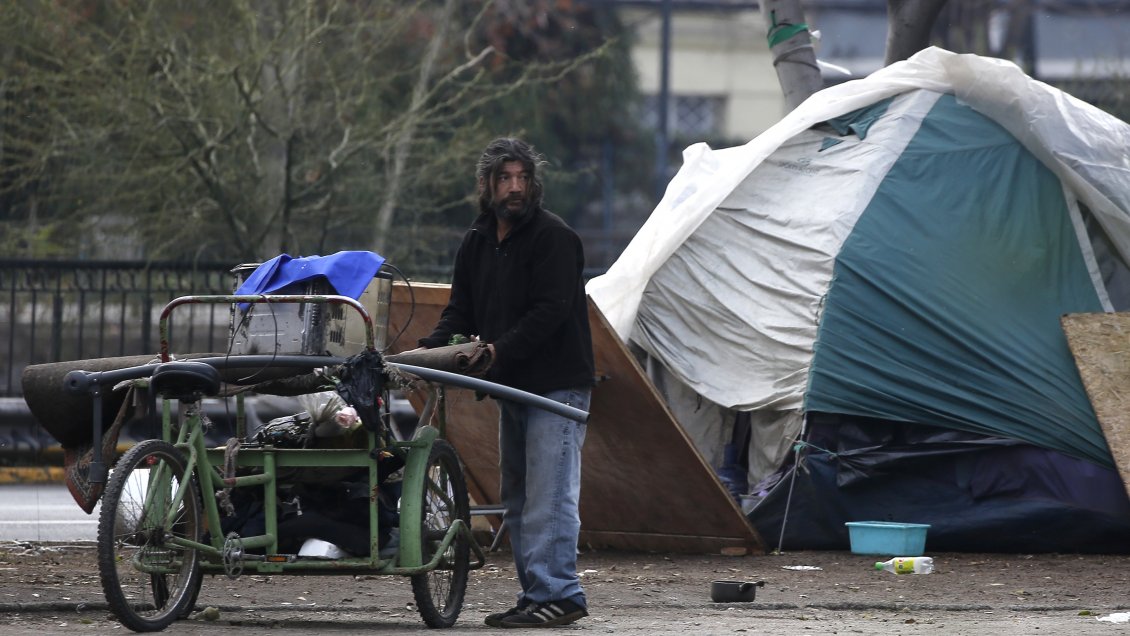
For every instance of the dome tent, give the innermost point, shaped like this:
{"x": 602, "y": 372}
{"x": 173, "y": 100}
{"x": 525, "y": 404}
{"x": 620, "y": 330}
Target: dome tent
{"x": 885, "y": 269}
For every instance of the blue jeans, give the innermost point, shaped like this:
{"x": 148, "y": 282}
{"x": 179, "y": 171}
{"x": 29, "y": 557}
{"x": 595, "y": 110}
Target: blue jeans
{"x": 540, "y": 460}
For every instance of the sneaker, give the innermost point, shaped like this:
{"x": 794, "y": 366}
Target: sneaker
{"x": 495, "y": 620}
{"x": 547, "y": 614}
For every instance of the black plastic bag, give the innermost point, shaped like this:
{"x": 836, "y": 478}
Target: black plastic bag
{"x": 361, "y": 384}
{"x": 290, "y": 431}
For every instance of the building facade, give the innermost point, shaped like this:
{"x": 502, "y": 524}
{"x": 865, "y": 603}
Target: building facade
{"x": 723, "y": 88}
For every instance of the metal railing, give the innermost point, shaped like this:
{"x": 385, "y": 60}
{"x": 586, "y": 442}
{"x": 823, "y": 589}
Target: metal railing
{"x": 53, "y": 311}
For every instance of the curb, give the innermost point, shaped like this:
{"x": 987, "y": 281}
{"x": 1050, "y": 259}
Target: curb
{"x": 32, "y": 475}
{"x": 49, "y": 471}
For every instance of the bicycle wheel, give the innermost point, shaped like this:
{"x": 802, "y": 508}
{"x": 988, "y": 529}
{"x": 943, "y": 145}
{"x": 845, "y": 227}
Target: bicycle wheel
{"x": 439, "y": 592}
{"x": 149, "y": 582}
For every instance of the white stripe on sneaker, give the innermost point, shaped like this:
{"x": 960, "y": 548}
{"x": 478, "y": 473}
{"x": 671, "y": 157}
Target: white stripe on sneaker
{"x": 549, "y": 611}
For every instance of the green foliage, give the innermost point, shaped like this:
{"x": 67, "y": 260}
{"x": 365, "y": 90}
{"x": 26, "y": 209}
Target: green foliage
{"x": 237, "y": 130}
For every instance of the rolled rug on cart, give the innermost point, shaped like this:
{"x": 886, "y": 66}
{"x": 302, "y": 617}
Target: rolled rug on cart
{"x": 472, "y": 358}
{"x": 67, "y": 416}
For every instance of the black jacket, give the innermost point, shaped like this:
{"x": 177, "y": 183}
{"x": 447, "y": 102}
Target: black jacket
{"x": 526, "y": 295}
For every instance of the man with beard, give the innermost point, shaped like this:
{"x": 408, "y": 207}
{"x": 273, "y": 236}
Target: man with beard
{"x": 518, "y": 286}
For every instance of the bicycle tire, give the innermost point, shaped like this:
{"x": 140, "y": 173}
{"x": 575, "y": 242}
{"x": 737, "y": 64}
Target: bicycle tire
{"x": 132, "y": 531}
{"x": 439, "y": 593}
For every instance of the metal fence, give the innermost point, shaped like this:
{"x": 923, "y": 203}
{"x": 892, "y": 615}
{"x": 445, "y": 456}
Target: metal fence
{"x": 73, "y": 310}
{"x": 54, "y": 311}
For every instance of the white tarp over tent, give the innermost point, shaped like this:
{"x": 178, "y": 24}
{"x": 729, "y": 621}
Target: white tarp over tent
{"x": 749, "y": 345}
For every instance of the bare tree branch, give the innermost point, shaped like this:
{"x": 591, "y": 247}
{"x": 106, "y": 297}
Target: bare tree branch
{"x": 402, "y": 138}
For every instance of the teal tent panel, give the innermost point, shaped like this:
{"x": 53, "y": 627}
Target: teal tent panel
{"x": 858, "y": 122}
{"x": 945, "y": 301}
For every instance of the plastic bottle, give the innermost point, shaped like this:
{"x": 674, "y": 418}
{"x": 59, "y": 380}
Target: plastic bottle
{"x": 907, "y": 565}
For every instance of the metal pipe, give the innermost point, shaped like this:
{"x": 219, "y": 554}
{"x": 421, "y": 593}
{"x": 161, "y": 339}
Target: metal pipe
{"x": 494, "y": 389}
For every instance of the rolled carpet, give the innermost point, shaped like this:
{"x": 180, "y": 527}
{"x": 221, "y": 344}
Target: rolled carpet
{"x": 67, "y": 416}
{"x": 472, "y": 358}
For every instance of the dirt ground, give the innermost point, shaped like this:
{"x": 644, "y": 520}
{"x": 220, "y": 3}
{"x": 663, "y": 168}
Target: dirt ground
{"x": 54, "y": 589}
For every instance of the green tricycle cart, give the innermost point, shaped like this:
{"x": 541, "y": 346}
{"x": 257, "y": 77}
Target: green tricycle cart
{"x": 164, "y": 503}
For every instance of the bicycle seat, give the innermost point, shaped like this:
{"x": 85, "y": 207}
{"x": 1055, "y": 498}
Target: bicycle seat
{"x": 185, "y": 380}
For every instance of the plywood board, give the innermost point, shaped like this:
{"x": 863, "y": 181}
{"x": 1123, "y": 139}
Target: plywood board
{"x": 1100, "y": 344}
{"x": 643, "y": 487}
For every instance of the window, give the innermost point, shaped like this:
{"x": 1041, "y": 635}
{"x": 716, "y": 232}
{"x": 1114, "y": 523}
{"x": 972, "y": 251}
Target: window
{"x": 688, "y": 116}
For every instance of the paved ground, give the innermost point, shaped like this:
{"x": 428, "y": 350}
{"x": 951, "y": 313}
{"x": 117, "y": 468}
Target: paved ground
{"x": 49, "y": 584}
{"x": 54, "y": 589}
{"x": 44, "y": 512}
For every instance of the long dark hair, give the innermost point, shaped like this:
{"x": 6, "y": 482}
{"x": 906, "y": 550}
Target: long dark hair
{"x": 499, "y": 152}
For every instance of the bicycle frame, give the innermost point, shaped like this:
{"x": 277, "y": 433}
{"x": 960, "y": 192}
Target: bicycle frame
{"x": 203, "y": 462}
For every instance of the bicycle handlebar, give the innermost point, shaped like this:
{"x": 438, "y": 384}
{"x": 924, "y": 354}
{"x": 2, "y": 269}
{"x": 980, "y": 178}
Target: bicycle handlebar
{"x": 78, "y": 381}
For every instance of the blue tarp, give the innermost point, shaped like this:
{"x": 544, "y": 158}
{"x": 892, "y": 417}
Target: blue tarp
{"x": 348, "y": 272}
